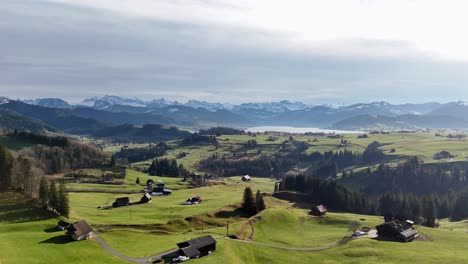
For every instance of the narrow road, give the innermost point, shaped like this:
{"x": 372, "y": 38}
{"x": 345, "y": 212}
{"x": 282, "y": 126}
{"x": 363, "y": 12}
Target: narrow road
{"x": 341, "y": 242}
{"x": 146, "y": 260}
{"x": 127, "y": 258}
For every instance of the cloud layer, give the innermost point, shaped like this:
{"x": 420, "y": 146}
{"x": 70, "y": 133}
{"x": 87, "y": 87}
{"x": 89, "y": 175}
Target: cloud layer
{"x": 212, "y": 50}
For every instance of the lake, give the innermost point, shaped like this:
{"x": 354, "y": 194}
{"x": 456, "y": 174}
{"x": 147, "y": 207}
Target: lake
{"x": 301, "y": 130}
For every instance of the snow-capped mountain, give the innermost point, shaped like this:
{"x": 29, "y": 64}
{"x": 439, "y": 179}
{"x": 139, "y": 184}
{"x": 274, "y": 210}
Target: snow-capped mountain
{"x": 4, "y": 100}
{"x": 49, "y": 102}
{"x": 273, "y": 107}
{"x": 206, "y": 105}
{"x": 109, "y": 100}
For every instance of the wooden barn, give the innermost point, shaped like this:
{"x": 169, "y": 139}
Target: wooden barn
{"x": 122, "y": 201}
{"x": 397, "y": 230}
{"x": 197, "y": 247}
{"x": 146, "y": 198}
{"x": 161, "y": 188}
{"x": 80, "y": 230}
{"x": 319, "y": 210}
{"x": 246, "y": 178}
{"x": 62, "y": 225}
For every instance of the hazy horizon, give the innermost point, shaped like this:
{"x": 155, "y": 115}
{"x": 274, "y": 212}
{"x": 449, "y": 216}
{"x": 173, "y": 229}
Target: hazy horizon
{"x": 316, "y": 52}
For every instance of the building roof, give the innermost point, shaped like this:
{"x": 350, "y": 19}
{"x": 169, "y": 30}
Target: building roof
{"x": 190, "y": 252}
{"x": 247, "y": 177}
{"x": 63, "y": 223}
{"x": 147, "y": 195}
{"x": 321, "y": 208}
{"x": 79, "y": 228}
{"x": 400, "y": 227}
{"x": 198, "y": 242}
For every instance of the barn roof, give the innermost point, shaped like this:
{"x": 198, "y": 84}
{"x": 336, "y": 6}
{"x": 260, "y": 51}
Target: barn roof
{"x": 79, "y": 228}
{"x": 401, "y": 227}
{"x": 321, "y": 208}
{"x": 198, "y": 242}
{"x": 190, "y": 252}
{"x": 122, "y": 199}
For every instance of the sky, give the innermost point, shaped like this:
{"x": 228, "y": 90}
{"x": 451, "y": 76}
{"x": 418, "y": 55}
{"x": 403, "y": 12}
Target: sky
{"x": 314, "y": 51}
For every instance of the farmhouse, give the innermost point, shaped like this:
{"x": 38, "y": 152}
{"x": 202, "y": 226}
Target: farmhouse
{"x": 246, "y": 178}
{"x": 197, "y": 247}
{"x": 149, "y": 184}
{"x": 62, "y": 225}
{"x": 396, "y": 230}
{"x": 123, "y": 201}
{"x": 443, "y": 155}
{"x": 193, "y": 200}
{"x": 318, "y": 210}
{"x": 80, "y": 230}
{"x": 146, "y": 198}
{"x": 161, "y": 189}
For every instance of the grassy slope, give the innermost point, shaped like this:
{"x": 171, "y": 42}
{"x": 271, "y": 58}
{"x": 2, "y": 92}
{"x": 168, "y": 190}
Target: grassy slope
{"x": 28, "y": 235}
{"x": 162, "y": 208}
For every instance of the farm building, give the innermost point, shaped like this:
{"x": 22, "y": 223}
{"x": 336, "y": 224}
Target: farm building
{"x": 62, "y": 225}
{"x": 193, "y": 200}
{"x": 80, "y": 230}
{"x": 160, "y": 189}
{"x": 319, "y": 210}
{"x": 122, "y": 201}
{"x": 246, "y": 178}
{"x": 443, "y": 155}
{"x": 197, "y": 247}
{"x": 396, "y": 230}
{"x": 149, "y": 184}
{"x": 146, "y": 198}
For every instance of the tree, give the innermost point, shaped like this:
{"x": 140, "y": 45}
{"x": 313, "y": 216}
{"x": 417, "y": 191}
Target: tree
{"x": 138, "y": 180}
{"x": 112, "y": 161}
{"x": 43, "y": 192}
{"x": 259, "y": 202}
{"x": 6, "y": 164}
{"x": 248, "y": 204}
{"x": 63, "y": 207}
{"x": 53, "y": 199}
{"x": 276, "y": 187}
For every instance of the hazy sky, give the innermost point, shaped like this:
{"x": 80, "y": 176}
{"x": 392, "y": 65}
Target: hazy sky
{"x": 315, "y": 51}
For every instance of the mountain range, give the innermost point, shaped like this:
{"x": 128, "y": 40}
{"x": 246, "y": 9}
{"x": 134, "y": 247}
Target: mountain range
{"x": 94, "y": 114}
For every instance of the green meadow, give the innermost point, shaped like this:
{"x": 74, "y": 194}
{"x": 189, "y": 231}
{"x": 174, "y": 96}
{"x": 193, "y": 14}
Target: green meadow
{"x": 27, "y": 233}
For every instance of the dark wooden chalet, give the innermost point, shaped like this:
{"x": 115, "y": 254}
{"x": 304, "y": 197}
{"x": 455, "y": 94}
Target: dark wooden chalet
{"x": 161, "y": 188}
{"x": 146, "y": 198}
{"x": 319, "y": 210}
{"x": 62, "y": 225}
{"x": 149, "y": 184}
{"x": 122, "y": 201}
{"x": 197, "y": 247}
{"x": 80, "y": 230}
{"x": 246, "y": 178}
{"x": 396, "y": 230}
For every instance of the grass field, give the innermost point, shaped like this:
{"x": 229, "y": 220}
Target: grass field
{"x": 27, "y": 235}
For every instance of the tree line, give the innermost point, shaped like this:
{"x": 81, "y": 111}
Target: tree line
{"x": 423, "y": 209}
{"x": 131, "y": 155}
{"x": 252, "y": 204}
{"x": 167, "y": 168}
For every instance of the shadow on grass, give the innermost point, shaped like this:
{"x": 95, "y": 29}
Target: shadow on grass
{"x": 52, "y": 230}
{"x": 15, "y": 208}
{"x": 59, "y": 240}
{"x": 232, "y": 213}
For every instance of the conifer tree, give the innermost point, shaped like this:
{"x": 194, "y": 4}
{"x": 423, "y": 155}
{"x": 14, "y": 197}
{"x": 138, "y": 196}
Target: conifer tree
{"x": 248, "y": 204}
{"x": 63, "y": 204}
{"x": 53, "y": 198}
{"x": 43, "y": 192}
{"x": 259, "y": 202}
{"x": 138, "y": 180}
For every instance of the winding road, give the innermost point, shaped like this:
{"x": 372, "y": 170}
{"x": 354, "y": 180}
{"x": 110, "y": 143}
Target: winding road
{"x": 146, "y": 259}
